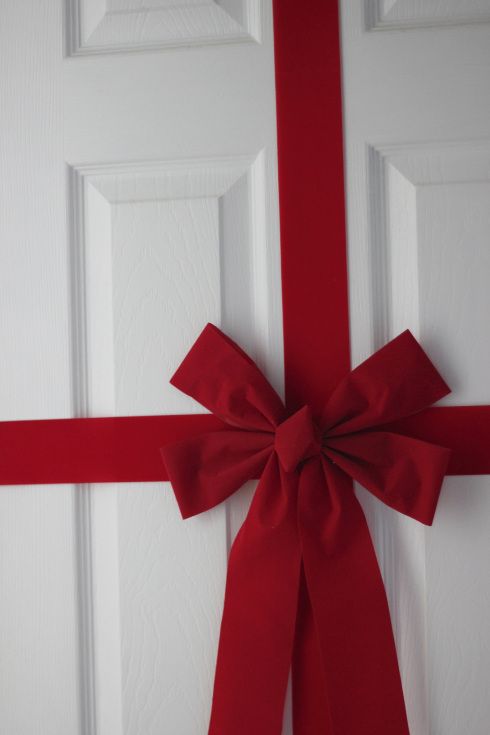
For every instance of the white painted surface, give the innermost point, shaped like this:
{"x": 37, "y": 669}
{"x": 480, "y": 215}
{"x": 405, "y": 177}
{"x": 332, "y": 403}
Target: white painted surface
{"x": 417, "y": 106}
{"x": 138, "y": 201}
{"x": 39, "y": 674}
{"x": 105, "y": 26}
{"x": 404, "y": 14}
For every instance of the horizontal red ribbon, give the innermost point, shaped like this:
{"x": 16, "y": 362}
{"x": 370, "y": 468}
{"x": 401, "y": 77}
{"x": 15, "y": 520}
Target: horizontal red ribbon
{"x": 126, "y": 448}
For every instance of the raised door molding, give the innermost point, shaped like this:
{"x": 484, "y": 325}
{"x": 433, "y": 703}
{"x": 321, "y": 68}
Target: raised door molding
{"x": 110, "y": 26}
{"x": 158, "y": 249}
{"x": 383, "y": 15}
{"x": 429, "y": 218}
{"x": 156, "y": 244}
{"x": 420, "y": 232}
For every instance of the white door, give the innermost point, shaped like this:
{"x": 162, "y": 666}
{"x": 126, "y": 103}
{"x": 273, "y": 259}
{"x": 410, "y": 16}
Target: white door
{"x": 417, "y": 144}
{"x": 138, "y": 200}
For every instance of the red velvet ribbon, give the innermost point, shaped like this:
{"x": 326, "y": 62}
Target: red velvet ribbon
{"x": 305, "y": 543}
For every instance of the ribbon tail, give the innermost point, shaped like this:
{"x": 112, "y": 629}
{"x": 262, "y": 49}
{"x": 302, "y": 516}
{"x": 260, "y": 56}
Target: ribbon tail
{"x": 311, "y": 715}
{"x": 258, "y": 624}
{"x": 363, "y": 690}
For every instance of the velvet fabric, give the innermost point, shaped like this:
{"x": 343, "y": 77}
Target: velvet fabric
{"x": 305, "y": 545}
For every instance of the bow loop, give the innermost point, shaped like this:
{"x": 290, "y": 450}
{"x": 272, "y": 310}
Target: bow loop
{"x": 205, "y": 470}
{"x": 218, "y": 374}
{"x": 397, "y": 381}
{"x": 404, "y": 473}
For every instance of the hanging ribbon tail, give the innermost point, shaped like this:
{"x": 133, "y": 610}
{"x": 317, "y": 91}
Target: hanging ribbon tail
{"x": 218, "y": 374}
{"x": 363, "y": 692}
{"x": 257, "y": 629}
{"x": 311, "y": 715}
{"x": 404, "y": 473}
{"x": 397, "y": 381}
{"x": 207, "y": 469}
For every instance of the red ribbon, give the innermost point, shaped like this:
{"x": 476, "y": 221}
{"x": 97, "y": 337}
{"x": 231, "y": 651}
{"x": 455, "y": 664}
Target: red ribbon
{"x": 305, "y": 544}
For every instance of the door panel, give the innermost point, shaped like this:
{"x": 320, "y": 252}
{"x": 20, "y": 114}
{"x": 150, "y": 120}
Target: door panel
{"x": 95, "y": 26}
{"x": 416, "y": 106}
{"x": 403, "y": 14}
{"x": 139, "y": 201}
{"x": 39, "y": 675}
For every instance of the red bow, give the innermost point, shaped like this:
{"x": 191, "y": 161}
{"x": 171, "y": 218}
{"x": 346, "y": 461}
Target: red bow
{"x": 304, "y": 552}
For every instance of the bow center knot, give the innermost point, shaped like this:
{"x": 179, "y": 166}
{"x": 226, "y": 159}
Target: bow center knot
{"x": 297, "y": 439}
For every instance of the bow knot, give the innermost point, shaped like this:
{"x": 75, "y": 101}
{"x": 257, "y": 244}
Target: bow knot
{"x": 297, "y": 439}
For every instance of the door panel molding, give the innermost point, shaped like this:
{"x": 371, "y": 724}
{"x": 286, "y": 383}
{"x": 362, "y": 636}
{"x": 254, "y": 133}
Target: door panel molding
{"x": 114, "y": 26}
{"x": 393, "y": 15}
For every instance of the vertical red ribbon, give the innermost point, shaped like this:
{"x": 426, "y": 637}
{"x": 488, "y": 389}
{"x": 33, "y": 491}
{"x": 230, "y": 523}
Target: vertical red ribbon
{"x": 311, "y": 196}
{"x": 315, "y": 299}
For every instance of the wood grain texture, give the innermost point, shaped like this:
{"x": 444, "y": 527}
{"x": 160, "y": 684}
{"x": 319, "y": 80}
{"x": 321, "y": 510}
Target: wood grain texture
{"x": 95, "y": 26}
{"x": 434, "y": 202}
{"x": 171, "y": 597}
{"x": 162, "y": 248}
{"x": 165, "y": 259}
{"x": 417, "y": 197}
{"x": 174, "y": 222}
{"x": 111, "y": 604}
{"x": 39, "y": 646}
{"x": 406, "y": 14}
{"x": 458, "y": 586}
